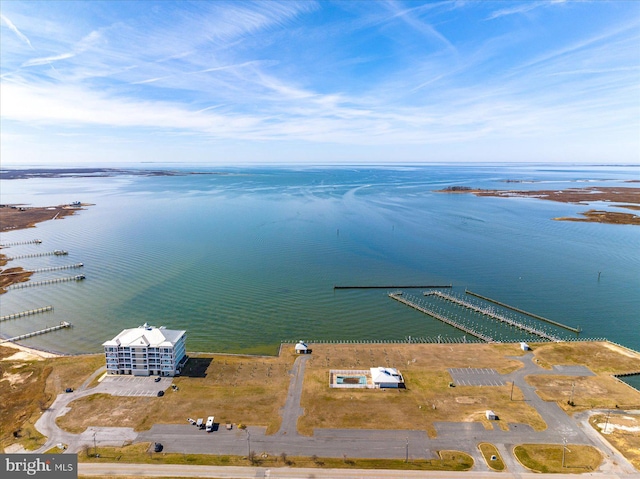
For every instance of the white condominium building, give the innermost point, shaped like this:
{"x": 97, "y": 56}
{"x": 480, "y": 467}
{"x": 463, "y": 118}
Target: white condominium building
{"x": 146, "y": 350}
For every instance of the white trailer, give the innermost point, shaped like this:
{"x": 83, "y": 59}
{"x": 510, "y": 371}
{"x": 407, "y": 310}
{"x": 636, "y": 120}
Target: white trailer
{"x": 209, "y": 426}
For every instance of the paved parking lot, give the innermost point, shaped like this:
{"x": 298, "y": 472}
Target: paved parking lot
{"x": 476, "y": 377}
{"x": 134, "y": 386}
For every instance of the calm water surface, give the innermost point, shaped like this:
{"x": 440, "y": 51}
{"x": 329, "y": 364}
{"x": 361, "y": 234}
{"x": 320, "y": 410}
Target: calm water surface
{"x": 245, "y": 259}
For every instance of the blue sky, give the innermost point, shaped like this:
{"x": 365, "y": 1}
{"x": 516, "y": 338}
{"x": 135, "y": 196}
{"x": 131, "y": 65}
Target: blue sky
{"x": 227, "y": 83}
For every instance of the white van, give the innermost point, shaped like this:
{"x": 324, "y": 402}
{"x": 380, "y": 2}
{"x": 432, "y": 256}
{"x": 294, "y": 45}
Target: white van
{"x": 209, "y": 424}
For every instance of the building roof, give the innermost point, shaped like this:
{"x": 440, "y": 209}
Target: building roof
{"x": 146, "y": 336}
{"x": 301, "y": 346}
{"x": 386, "y": 375}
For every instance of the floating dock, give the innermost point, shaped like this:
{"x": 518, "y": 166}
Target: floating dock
{"x": 26, "y": 313}
{"x": 62, "y": 325}
{"x": 78, "y": 277}
{"x": 394, "y": 287}
{"x": 414, "y": 304}
{"x": 526, "y": 313}
{"x": 492, "y": 315}
{"x": 18, "y": 243}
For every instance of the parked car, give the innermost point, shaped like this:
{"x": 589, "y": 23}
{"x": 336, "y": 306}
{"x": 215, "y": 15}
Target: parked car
{"x": 157, "y": 447}
{"x": 68, "y": 390}
{"x": 191, "y": 421}
{"x": 157, "y": 379}
{"x": 160, "y": 394}
{"x": 200, "y": 423}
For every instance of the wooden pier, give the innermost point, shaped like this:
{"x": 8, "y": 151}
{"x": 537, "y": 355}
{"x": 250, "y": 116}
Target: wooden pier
{"x": 57, "y": 252}
{"x": 78, "y": 277}
{"x": 18, "y": 243}
{"x": 497, "y": 317}
{"x": 413, "y": 304}
{"x": 526, "y": 313}
{"x": 26, "y": 313}
{"x": 62, "y": 325}
{"x": 393, "y": 287}
{"x": 44, "y": 270}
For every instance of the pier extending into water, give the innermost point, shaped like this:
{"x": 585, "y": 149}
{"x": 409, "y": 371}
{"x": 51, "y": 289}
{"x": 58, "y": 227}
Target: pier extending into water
{"x": 78, "y": 277}
{"x": 26, "y": 313}
{"x": 62, "y": 325}
{"x": 526, "y": 313}
{"x": 491, "y": 314}
{"x": 392, "y": 287}
{"x": 44, "y": 270}
{"x": 414, "y": 304}
{"x": 58, "y": 252}
{"x": 18, "y": 243}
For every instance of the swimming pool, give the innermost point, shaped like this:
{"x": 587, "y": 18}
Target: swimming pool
{"x": 352, "y": 380}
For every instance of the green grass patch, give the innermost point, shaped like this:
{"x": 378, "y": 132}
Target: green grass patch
{"x": 489, "y": 450}
{"x": 140, "y": 453}
{"x": 547, "y": 458}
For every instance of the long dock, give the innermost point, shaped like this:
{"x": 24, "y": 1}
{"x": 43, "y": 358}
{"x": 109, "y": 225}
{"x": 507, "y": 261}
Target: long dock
{"x": 392, "y": 287}
{"x": 450, "y": 322}
{"x": 57, "y": 252}
{"x": 526, "y": 313}
{"x": 30, "y": 312}
{"x": 18, "y": 243}
{"x": 78, "y": 277}
{"x": 63, "y": 324}
{"x": 495, "y": 316}
{"x": 44, "y": 270}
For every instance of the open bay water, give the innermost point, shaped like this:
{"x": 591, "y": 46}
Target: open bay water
{"x": 249, "y": 257}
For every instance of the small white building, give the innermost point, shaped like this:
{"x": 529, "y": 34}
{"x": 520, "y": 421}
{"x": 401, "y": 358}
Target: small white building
{"x": 302, "y": 348}
{"x": 525, "y": 347}
{"x": 491, "y": 416}
{"x": 146, "y": 350}
{"x": 386, "y": 377}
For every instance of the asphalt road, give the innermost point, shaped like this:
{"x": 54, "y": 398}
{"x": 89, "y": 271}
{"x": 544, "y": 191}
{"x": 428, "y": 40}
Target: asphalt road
{"x": 174, "y": 470}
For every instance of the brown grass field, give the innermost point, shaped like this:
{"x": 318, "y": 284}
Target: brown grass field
{"x": 547, "y": 458}
{"x": 236, "y": 389}
{"x": 597, "y": 356}
{"x": 140, "y": 454}
{"x": 594, "y": 392}
{"x": 427, "y": 385}
{"x": 28, "y": 387}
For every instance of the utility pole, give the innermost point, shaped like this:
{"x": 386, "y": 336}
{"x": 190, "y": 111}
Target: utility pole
{"x": 564, "y": 446}
{"x": 406, "y": 455}
{"x": 573, "y": 387}
{"x": 95, "y": 449}
{"x": 604, "y": 431}
{"x": 248, "y": 443}
{"x": 512, "y": 384}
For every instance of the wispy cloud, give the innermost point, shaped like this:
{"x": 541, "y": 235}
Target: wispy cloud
{"x": 341, "y": 74}
{"x": 15, "y": 30}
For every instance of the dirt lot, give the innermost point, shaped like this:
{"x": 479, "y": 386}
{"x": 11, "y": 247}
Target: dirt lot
{"x": 621, "y": 430}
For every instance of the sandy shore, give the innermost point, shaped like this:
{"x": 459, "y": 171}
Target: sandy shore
{"x": 24, "y": 353}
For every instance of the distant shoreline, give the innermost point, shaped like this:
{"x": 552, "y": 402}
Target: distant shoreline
{"x": 628, "y": 198}
{"x": 27, "y": 173}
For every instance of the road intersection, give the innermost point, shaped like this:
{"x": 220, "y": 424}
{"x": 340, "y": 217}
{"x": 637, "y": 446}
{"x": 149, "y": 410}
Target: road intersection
{"x": 351, "y": 443}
